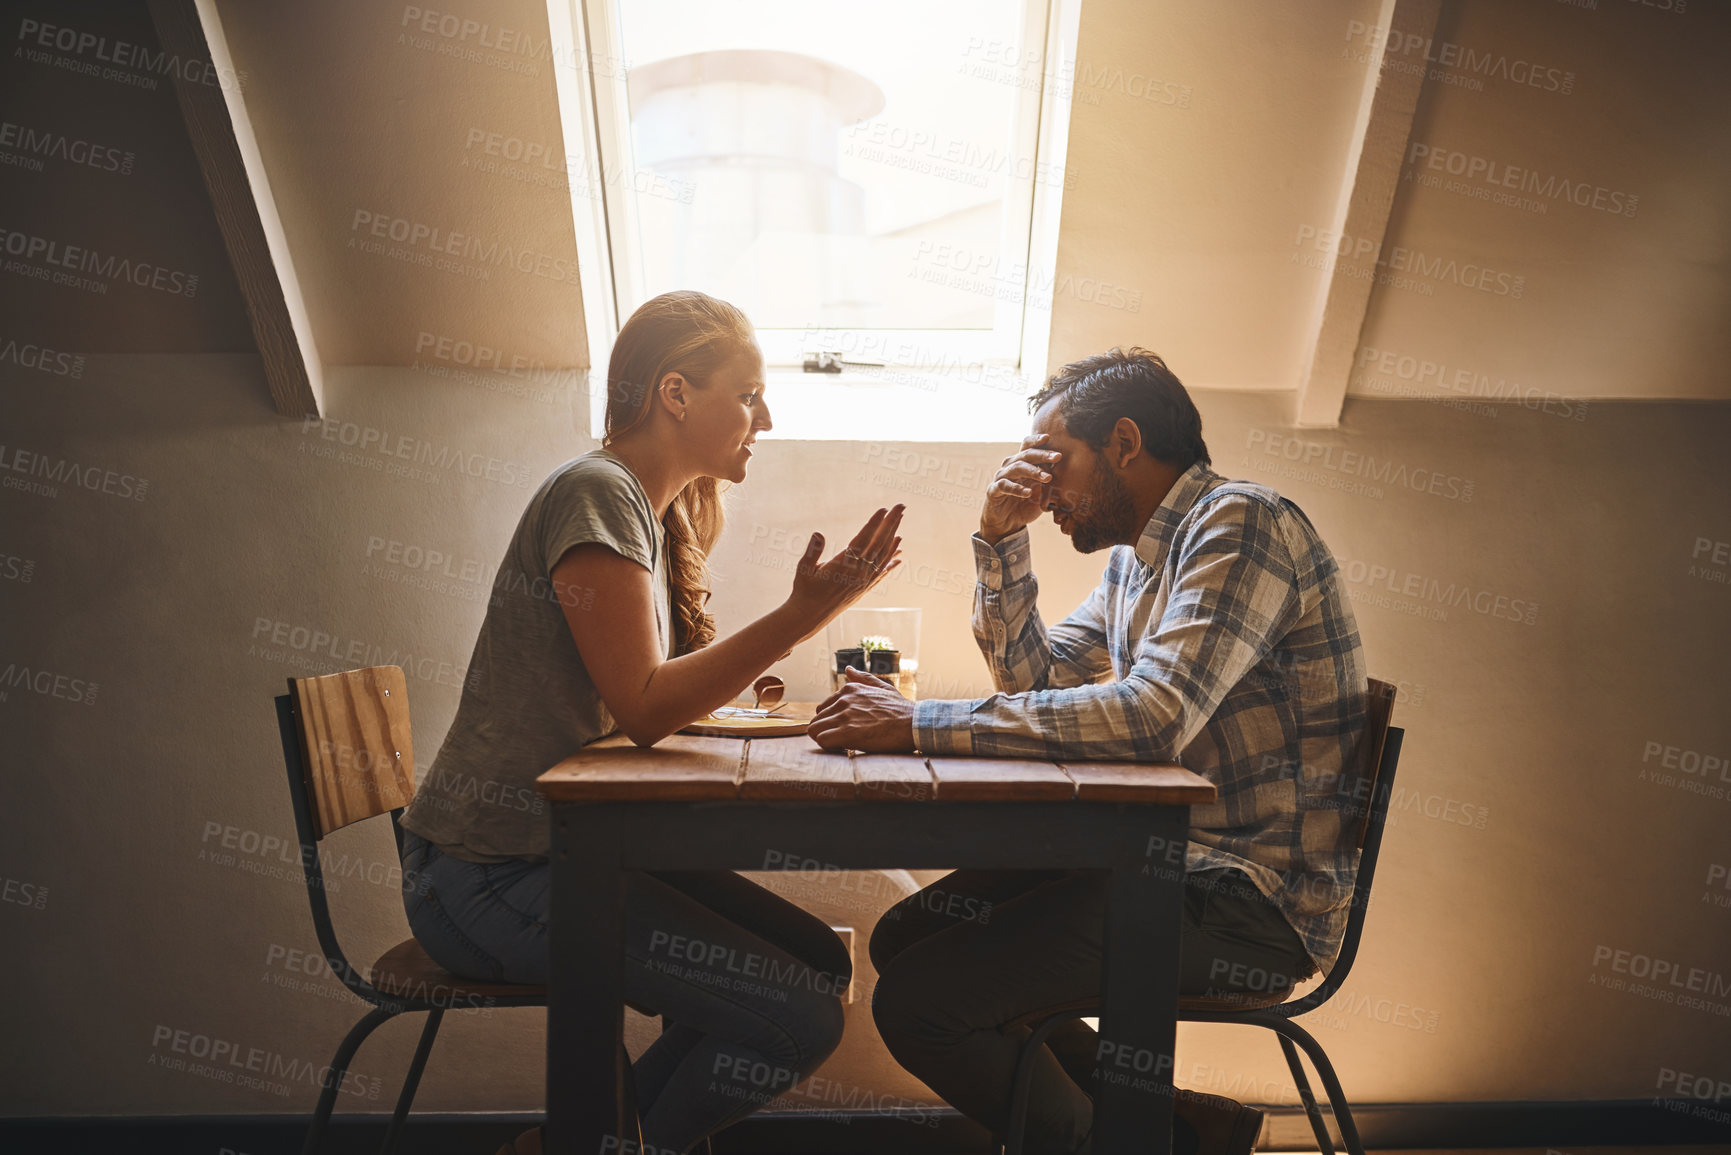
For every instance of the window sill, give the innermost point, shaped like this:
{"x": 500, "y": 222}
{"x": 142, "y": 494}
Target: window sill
{"x": 977, "y": 404}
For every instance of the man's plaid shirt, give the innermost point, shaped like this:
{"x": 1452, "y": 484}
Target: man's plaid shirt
{"x": 1223, "y": 641}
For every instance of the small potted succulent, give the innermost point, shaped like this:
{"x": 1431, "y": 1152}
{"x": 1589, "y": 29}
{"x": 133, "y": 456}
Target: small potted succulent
{"x": 884, "y": 641}
{"x": 881, "y": 655}
{"x": 875, "y": 654}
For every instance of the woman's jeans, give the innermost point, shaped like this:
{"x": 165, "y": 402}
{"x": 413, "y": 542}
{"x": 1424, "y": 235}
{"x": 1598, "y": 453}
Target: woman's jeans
{"x": 980, "y": 948}
{"x": 751, "y": 983}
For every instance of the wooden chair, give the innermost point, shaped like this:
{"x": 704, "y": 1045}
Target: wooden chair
{"x": 345, "y": 740}
{"x": 1377, "y": 756}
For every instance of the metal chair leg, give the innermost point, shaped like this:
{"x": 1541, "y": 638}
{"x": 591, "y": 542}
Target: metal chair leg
{"x": 1324, "y": 1144}
{"x": 708, "y": 1142}
{"x": 1025, "y": 1079}
{"x": 1330, "y": 1083}
{"x": 633, "y": 1117}
{"x": 339, "y": 1067}
{"x": 412, "y": 1081}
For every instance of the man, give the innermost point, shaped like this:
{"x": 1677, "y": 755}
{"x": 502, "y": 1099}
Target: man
{"x": 1221, "y": 637}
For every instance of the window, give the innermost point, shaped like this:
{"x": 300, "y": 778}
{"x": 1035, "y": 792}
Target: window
{"x": 877, "y": 186}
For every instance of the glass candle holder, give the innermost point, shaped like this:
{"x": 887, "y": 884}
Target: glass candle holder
{"x": 863, "y": 637}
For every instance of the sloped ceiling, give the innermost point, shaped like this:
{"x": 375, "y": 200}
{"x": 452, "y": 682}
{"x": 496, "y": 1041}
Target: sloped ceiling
{"x": 1621, "y": 235}
{"x": 105, "y": 166}
{"x": 1212, "y": 211}
{"x": 417, "y": 166}
{"x": 388, "y": 132}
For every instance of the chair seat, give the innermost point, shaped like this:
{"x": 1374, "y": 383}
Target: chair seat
{"x": 407, "y": 972}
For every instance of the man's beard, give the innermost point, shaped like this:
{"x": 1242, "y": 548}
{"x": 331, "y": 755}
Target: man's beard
{"x": 1109, "y": 516}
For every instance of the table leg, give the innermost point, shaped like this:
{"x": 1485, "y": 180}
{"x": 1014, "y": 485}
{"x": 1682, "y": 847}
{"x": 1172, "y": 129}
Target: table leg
{"x": 585, "y": 1012}
{"x": 1139, "y": 992}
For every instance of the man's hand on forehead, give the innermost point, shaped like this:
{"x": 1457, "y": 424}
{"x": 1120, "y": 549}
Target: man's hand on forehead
{"x": 1037, "y": 448}
{"x": 1021, "y": 489}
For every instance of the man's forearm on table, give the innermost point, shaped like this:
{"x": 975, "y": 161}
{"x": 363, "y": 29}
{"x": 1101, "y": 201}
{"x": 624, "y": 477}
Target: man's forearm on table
{"x": 1116, "y": 721}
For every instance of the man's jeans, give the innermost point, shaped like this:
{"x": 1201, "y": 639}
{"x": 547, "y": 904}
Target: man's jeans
{"x": 751, "y": 983}
{"x": 979, "y": 948}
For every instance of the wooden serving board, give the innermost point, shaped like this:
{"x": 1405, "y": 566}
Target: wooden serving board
{"x": 790, "y": 723}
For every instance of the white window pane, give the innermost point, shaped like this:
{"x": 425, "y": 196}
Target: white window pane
{"x": 830, "y": 165}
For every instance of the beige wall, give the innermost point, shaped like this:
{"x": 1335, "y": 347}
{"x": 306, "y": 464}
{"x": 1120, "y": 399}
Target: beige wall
{"x": 1525, "y": 836}
{"x": 1535, "y": 829}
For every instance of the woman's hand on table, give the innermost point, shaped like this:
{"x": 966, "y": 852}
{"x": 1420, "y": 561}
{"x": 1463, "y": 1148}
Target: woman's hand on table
{"x": 866, "y": 714}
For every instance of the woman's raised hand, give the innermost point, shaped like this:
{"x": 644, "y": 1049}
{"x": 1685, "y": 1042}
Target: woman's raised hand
{"x": 821, "y": 590}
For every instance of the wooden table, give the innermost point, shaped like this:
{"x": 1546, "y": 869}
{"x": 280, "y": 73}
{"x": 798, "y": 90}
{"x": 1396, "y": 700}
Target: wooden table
{"x": 692, "y": 803}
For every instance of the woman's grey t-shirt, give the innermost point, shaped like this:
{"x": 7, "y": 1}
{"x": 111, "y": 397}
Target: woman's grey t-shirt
{"x": 528, "y": 701}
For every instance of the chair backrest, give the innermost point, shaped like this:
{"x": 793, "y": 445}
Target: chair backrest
{"x": 1367, "y": 758}
{"x": 345, "y": 743}
{"x": 357, "y": 758}
{"x": 1376, "y": 759}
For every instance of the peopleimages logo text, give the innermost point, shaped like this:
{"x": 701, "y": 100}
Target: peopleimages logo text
{"x": 1339, "y": 246}
{"x": 58, "y": 146}
{"x": 1400, "y": 48}
{"x": 1498, "y": 174}
{"x": 1351, "y": 462}
{"x": 194, "y": 70}
{"x": 81, "y": 259}
{"x": 463, "y": 246}
{"x": 64, "y": 471}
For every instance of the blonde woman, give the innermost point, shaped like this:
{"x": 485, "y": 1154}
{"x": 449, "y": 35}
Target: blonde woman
{"x": 598, "y": 623}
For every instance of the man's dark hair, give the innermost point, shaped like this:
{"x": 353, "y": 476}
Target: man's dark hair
{"x": 1095, "y": 391}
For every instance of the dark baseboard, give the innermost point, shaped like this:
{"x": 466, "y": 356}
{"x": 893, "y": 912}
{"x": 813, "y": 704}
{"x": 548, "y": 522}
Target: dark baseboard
{"x": 1563, "y": 1124}
{"x": 1557, "y": 1125}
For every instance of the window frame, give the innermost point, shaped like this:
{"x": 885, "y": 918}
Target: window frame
{"x": 1010, "y": 358}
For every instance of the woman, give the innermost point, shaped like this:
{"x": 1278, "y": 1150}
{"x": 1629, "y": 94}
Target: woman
{"x": 597, "y": 623}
